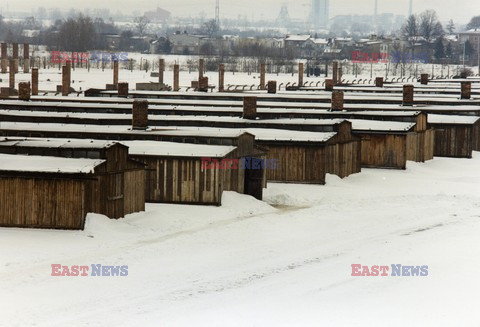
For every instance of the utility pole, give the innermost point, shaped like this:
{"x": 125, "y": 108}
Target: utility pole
{"x": 478, "y": 53}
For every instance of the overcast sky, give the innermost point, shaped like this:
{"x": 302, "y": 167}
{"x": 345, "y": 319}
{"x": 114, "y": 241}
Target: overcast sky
{"x": 459, "y": 10}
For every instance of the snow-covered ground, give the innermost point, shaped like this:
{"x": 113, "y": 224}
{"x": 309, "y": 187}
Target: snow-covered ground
{"x": 283, "y": 262}
{"x": 286, "y": 262}
{"x": 83, "y": 79}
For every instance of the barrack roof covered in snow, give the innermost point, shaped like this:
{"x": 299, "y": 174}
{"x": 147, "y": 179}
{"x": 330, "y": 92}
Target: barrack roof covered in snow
{"x": 171, "y": 149}
{"x": 264, "y": 134}
{"x": 153, "y": 148}
{"x": 42, "y": 164}
{"x": 452, "y": 119}
{"x": 380, "y": 126}
{"x": 56, "y": 143}
{"x": 115, "y": 129}
{"x": 294, "y": 37}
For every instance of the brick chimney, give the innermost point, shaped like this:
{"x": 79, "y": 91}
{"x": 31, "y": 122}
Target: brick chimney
{"x": 24, "y": 91}
{"x": 12, "y": 74}
{"x": 300, "y": 74}
{"x": 466, "y": 92}
{"x": 15, "y": 56}
{"x": 203, "y": 84}
{"x": 408, "y": 90}
{"x": 337, "y": 101}
{"x": 201, "y": 68}
{"x": 335, "y": 72}
{"x": 329, "y": 85}
{"x": 115, "y": 73}
{"x": 26, "y": 58}
{"x": 272, "y": 87}
{"x": 122, "y": 89}
{"x": 250, "y": 107}
{"x": 140, "y": 115}
{"x": 65, "y": 80}
{"x": 4, "y": 58}
{"x": 34, "y": 81}
{"x": 221, "y": 78}
{"x": 424, "y": 79}
{"x": 176, "y": 78}
{"x": 262, "y": 76}
{"x": 161, "y": 69}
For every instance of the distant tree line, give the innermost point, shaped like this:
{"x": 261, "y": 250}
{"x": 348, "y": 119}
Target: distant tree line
{"x": 79, "y": 33}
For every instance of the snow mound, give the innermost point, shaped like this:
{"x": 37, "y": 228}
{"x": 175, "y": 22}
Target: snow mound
{"x": 298, "y": 195}
{"x": 100, "y": 226}
{"x": 244, "y": 205}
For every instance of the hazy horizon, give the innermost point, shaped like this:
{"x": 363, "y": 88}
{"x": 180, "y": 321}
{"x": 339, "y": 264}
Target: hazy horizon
{"x": 267, "y": 9}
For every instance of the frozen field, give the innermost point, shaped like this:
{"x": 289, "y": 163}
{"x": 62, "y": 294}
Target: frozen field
{"x": 249, "y": 263}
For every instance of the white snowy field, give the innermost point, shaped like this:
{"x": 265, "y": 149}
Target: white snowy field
{"x": 248, "y": 263}
{"x": 83, "y": 79}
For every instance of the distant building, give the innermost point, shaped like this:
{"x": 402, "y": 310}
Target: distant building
{"x": 113, "y": 41}
{"x": 341, "y": 42}
{"x": 158, "y": 16}
{"x": 320, "y": 13}
{"x": 293, "y": 42}
{"x": 304, "y": 46}
{"x": 472, "y": 36}
{"x": 30, "y": 35}
{"x": 183, "y": 43}
{"x": 375, "y": 44}
{"x": 273, "y": 43}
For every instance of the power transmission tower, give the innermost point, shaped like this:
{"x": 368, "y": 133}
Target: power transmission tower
{"x": 283, "y": 18}
{"x": 217, "y": 14}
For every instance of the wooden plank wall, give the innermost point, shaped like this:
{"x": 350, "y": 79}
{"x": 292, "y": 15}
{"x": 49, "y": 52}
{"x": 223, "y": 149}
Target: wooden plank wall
{"x": 245, "y": 145}
{"x": 121, "y": 185}
{"x": 344, "y": 159}
{"x": 107, "y": 195}
{"x": 234, "y": 180}
{"x": 117, "y": 194}
{"x": 134, "y": 191}
{"x": 42, "y": 203}
{"x": 384, "y": 150}
{"x": 420, "y": 145}
{"x": 181, "y": 181}
{"x": 453, "y": 141}
{"x": 429, "y": 144}
{"x": 476, "y": 136}
{"x": 421, "y": 122}
{"x": 300, "y": 164}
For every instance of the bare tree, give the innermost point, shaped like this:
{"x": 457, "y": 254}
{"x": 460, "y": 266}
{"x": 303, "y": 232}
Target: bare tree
{"x": 451, "y": 27}
{"x": 210, "y": 28}
{"x": 141, "y": 24}
{"x": 411, "y": 30}
{"x": 192, "y": 65}
{"x": 474, "y": 23}
{"x": 207, "y": 49}
{"x": 77, "y": 34}
{"x": 30, "y": 23}
{"x": 430, "y": 27}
